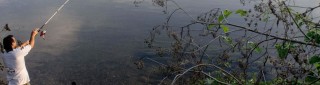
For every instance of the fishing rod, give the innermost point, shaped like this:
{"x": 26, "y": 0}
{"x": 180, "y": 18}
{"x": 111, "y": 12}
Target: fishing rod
{"x": 43, "y": 32}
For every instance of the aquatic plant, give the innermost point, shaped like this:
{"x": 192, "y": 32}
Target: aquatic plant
{"x": 275, "y": 44}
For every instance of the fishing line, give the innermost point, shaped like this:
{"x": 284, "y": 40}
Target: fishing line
{"x": 43, "y": 32}
{"x": 53, "y": 14}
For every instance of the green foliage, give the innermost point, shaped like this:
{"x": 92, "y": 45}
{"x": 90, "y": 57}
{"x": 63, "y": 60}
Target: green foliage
{"x": 227, "y": 39}
{"x": 310, "y": 78}
{"x": 314, "y": 59}
{"x": 299, "y": 19}
{"x": 317, "y": 65}
{"x": 220, "y": 18}
{"x": 254, "y": 46}
{"x": 210, "y": 26}
{"x": 286, "y": 10}
{"x": 225, "y": 14}
{"x": 225, "y": 28}
{"x": 209, "y": 81}
{"x": 241, "y": 12}
{"x": 313, "y": 36}
{"x": 283, "y": 49}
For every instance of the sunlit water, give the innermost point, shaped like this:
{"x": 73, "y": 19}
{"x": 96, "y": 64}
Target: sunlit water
{"x": 91, "y": 42}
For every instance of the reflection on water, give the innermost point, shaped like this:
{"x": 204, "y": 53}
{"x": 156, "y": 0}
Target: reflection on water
{"x": 91, "y": 41}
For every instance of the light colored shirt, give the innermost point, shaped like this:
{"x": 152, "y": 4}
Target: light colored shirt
{"x": 14, "y": 61}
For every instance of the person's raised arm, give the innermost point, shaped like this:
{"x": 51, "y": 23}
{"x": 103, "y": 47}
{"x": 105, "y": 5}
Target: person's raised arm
{"x": 32, "y": 37}
{"x": 25, "y": 43}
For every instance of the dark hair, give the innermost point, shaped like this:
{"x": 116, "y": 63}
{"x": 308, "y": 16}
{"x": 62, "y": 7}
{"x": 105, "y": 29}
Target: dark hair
{"x": 7, "y": 43}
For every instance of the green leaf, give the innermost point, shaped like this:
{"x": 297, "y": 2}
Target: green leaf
{"x": 220, "y": 18}
{"x": 317, "y": 65}
{"x": 258, "y": 49}
{"x": 310, "y": 78}
{"x": 227, "y": 13}
{"x": 210, "y": 26}
{"x": 227, "y": 64}
{"x": 297, "y": 17}
{"x": 313, "y": 36}
{"x": 227, "y": 39}
{"x": 300, "y": 23}
{"x": 254, "y": 45}
{"x": 287, "y": 10}
{"x": 241, "y": 12}
{"x": 283, "y": 50}
{"x": 225, "y": 28}
{"x": 209, "y": 81}
{"x": 314, "y": 59}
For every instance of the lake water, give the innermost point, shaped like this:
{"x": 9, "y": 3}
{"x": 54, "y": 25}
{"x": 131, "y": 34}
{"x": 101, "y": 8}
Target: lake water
{"x": 92, "y": 42}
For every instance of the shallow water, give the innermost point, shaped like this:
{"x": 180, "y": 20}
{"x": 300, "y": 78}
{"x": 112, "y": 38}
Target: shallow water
{"x": 91, "y": 42}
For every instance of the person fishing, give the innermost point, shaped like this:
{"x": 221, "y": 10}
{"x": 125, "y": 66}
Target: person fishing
{"x": 14, "y": 58}
{"x": 14, "y": 55}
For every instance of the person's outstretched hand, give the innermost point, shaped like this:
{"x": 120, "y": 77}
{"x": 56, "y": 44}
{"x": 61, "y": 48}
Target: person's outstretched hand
{"x": 34, "y": 31}
{"x": 32, "y": 37}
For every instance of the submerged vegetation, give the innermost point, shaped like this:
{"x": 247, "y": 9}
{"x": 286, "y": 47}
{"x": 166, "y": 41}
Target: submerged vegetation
{"x": 274, "y": 43}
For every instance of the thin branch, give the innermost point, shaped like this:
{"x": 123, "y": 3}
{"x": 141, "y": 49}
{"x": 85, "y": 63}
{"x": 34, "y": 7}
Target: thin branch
{"x": 215, "y": 78}
{"x": 179, "y": 75}
{"x": 155, "y": 61}
{"x": 273, "y": 36}
{"x": 295, "y": 22}
{"x": 270, "y": 35}
{"x": 163, "y": 80}
{"x": 314, "y": 81}
{"x": 182, "y": 9}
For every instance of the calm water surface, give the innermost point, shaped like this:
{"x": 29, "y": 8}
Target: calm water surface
{"x": 91, "y": 41}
